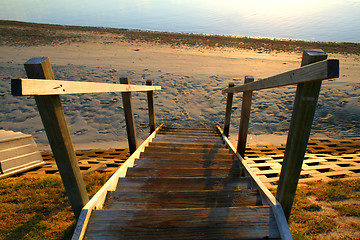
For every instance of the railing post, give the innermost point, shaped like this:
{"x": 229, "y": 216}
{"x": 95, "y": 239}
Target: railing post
{"x": 150, "y": 98}
{"x": 129, "y": 116}
{"x": 302, "y": 117}
{"x": 229, "y": 102}
{"x": 244, "y": 118}
{"x": 53, "y": 118}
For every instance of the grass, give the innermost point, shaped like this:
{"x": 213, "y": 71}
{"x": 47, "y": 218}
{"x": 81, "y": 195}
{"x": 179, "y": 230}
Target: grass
{"x": 326, "y": 210}
{"x": 38, "y": 208}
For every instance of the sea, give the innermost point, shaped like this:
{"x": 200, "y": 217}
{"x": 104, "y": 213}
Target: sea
{"x": 312, "y": 20}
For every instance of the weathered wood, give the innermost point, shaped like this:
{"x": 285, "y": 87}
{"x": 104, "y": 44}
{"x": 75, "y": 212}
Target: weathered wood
{"x": 193, "y": 156}
{"x": 150, "y": 98}
{"x": 186, "y": 150}
{"x": 183, "y": 172}
{"x": 97, "y": 201}
{"x": 327, "y": 69}
{"x": 198, "y": 140}
{"x": 129, "y": 116}
{"x": 303, "y": 114}
{"x": 180, "y": 184}
{"x": 265, "y": 193}
{"x": 180, "y": 200}
{"x": 187, "y": 145}
{"x": 181, "y": 133}
{"x": 36, "y": 87}
{"x": 213, "y": 223}
{"x": 229, "y": 102}
{"x": 183, "y": 163}
{"x": 53, "y": 118}
{"x": 244, "y": 118}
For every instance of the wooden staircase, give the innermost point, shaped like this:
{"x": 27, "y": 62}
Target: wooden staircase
{"x": 186, "y": 185}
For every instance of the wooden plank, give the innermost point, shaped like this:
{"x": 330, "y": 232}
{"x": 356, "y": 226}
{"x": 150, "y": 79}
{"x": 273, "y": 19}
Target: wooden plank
{"x": 184, "y": 163}
{"x": 216, "y": 223}
{"x": 150, "y": 98}
{"x": 183, "y": 133}
{"x": 174, "y": 139}
{"x": 53, "y": 118}
{"x": 281, "y": 221}
{"x": 36, "y": 87}
{"x": 178, "y": 129}
{"x": 18, "y": 151}
{"x": 305, "y": 104}
{"x": 323, "y": 70}
{"x": 24, "y": 168}
{"x": 244, "y": 118}
{"x": 174, "y": 149}
{"x": 10, "y": 164}
{"x": 228, "y": 110}
{"x": 181, "y": 200}
{"x": 97, "y": 201}
{"x": 187, "y": 145}
{"x": 183, "y": 172}
{"x": 180, "y": 184}
{"x": 16, "y": 141}
{"x": 129, "y": 116}
{"x": 192, "y": 156}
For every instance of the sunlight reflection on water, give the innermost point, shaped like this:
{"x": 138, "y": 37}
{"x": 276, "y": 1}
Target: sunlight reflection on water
{"x": 319, "y": 20}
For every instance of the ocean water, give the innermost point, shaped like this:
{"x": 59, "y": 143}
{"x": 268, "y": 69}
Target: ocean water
{"x": 314, "y": 20}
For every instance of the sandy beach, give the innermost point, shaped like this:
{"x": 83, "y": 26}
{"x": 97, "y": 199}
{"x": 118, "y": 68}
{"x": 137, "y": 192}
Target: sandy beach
{"x": 191, "y": 78}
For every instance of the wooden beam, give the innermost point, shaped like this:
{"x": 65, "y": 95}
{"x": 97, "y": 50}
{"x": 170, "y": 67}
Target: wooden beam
{"x": 28, "y": 87}
{"x": 53, "y": 118}
{"x": 129, "y": 116}
{"x": 300, "y": 126}
{"x": 327, "y": 69}
{"x": 229, "y": 102}
{"x": 244, "y": 118}
{"x": 150, "y": 98}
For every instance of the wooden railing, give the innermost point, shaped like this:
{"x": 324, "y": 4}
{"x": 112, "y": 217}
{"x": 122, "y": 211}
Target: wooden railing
{"x": 46, "y": 90}
{"x": 308, "y": 78}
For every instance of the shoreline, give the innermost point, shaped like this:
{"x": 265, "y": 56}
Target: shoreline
{"x": 174, "y": 39}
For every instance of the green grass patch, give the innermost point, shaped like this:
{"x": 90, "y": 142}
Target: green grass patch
{"x": 348, "y": 209}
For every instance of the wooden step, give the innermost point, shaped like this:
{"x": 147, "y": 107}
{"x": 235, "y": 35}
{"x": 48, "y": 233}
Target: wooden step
{"x": 183, "y": 172}
{"x": 181, "y": 200}
{"x": 189, "y": 137}
{"x": 165, "y": 139}
{"x": 205, "y": 134}
{"x": 187, "y": 145}
{"x": 187, "y": 156}
{"x": 181, "y": 184}
{"x": 180, "y": 149}
{"x": 181, "y": 163}
{"x": 209, "y": 223}
{"x": 194, "y": 130}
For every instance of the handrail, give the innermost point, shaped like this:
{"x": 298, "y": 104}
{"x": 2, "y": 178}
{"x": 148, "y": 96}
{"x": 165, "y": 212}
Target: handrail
{"x": 323, "y": 70}
{"x": 42, "y": 85}
{"x": 37, "y": 87}
{"x": 308, "y": 79}
{"x": 97, "y": 201}
{"x": 265, "y": 193}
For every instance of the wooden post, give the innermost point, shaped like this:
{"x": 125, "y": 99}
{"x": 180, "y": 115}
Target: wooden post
{"x": 229, "y": 102}
{"x": 244, "y": 118}
{"x": 53, "y": 118}
{"x": 302, "y": 117}
{"x": 150, "y": 98}
{"x": 129, "y": 116}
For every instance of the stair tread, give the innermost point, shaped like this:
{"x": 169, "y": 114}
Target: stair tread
{"x": 145, "y": 184}
{"x": 188, "y": 145}
{"x": 184, "y": 199}
{"x": 189, "y": 156}
{"x": 167, "y": 162}
{"x": 182, "y": 149}
{"x": 209, "y": 223}
{"x": 138, "y": 171}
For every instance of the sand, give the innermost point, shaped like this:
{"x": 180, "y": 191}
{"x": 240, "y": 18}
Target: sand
{"x": 191, "y": 78}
